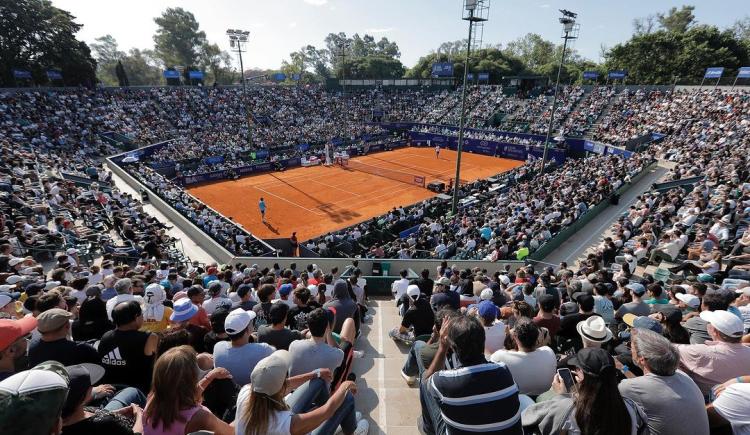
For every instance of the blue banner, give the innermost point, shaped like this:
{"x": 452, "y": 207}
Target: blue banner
{"x": 484, "y": 76}
{"x": 261, "y": 154}
{"x": 590, "y": 75}
{"x": 744, "y": 72}
{"x": 442, "y": 69}
{"x": 714, "y": 72}
{"x": 171, "y": 74}
{"x": 21, "y": 74}
{"x": 303, "y": 147}
{"x": 54, "y": 75}
{"x": 296, "y": 77}
{"x": 195, "y": 75}
{"x": 213, "y": 160}
{"x": 619, "y": 74}
{"x": 279, "y": 77}
{"x": 469, "y": 77}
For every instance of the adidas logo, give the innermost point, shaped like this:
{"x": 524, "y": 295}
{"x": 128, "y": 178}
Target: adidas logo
{"x": 113, "y": 358}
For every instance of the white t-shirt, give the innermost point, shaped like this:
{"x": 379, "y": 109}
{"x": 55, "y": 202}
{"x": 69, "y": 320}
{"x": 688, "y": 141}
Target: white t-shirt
{"x": 533, "y": 372}
{"x": 399, "y": 287}
{"x": 494, "y": 338}
{"x": 734, "y": 405}
{"x": 280, "y": 423}
{"x": 121, "y": 298}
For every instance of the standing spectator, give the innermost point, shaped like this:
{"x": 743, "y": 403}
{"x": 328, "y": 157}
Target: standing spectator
{"x": 662, "y": 391}
{"x": 127, "y": 353}
{"x": 470, "y": 398}
{"x": 238, "y": 355}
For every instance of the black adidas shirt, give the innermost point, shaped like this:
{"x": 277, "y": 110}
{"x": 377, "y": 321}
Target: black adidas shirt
{"x": 122, "y": 357}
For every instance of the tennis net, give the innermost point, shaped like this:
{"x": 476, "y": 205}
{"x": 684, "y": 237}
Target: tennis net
{"x": 393, "y": 174}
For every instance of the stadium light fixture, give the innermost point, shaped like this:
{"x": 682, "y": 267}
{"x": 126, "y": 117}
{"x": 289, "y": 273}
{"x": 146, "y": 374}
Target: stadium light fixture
{"x": 237, "y": 40}
{"x": 570, "y": 31}
{"x": 478, "y": 11}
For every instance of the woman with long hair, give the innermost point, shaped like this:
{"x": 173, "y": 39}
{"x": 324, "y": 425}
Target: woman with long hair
{"x": 263, "y": 409}
{"x": 174, "y": 403}
{"x": 593, "y": 407}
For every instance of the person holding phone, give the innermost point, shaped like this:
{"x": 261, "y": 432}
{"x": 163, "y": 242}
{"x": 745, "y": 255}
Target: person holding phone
{"x": 594, "y": 405}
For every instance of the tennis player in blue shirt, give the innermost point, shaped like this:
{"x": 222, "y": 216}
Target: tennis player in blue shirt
{"x": 262, "y": 207}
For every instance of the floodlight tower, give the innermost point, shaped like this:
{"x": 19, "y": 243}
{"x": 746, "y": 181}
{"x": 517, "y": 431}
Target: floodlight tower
{"x": 570, "y": 31}
{"x": 476, "y": 12}
{"x": 342, "y": 48}
{"x": 237, "y": 40}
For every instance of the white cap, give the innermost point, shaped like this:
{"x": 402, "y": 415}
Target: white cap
{"x": 71, "y": 251}
{"x": 14, "y": 261}
{"x": 13, "y": 279}
{"x": 504, "y": 280}
{"x": 50, "y": 285}
{"x": 725, "y": 322}
{"x": 238, "y": 320}
{"x": 5, "y": 300}
{"x": 413, "y": 291}
{"x": 313, "y": 289}
{"x": 691, "y": 301}
{"x": 486, "y": 294}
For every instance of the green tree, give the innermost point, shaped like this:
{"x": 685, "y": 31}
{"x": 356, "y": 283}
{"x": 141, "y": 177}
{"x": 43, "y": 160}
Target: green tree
{"x": 677, "y": 20}
{"x": 660, "y": 57}
{"x": 365, "y": 58}
{"x": 107, "y": 54}
{"x": 36, "y": 36}
{"x": 178, "y": 39}
{"x": 142, "y": 68}
{"x": 493, "y": 60}
{"x": 533, "y": 50}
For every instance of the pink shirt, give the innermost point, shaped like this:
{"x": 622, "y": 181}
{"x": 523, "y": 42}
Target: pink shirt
{"x": 177, "y": 427}
{"x": 714, "y": 362}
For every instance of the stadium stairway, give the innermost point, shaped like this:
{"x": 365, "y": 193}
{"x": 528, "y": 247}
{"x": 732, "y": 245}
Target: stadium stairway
{"x": 577, "y": 247}
{"x": 383, "y": 397}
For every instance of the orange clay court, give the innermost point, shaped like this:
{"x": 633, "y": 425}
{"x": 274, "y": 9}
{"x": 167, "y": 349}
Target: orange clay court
{"x": 317, "y": 200}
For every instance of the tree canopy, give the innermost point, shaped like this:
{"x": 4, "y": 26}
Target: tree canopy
{"x": 36, "y": 36}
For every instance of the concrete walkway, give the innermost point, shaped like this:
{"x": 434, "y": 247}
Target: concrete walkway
{"x": 383, "y": 397}
{"x": 595, "y": 231}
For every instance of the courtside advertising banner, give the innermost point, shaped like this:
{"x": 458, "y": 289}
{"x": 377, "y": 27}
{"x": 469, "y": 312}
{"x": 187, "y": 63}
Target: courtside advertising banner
{"x": 618, "y": 74}
{"x": 590, "y": 75}
{"x": 442, "y": 69}
{"x": 744, "y": 72}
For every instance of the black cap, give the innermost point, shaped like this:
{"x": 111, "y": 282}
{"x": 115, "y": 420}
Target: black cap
{"x": 594, "y": 361}
{"x": 35, "y": 288}
{"x": 585, "y": 300}
{"x": 82, "y": 376}
{"x": 671, "y": 315}
{"x": 94, "y": 290}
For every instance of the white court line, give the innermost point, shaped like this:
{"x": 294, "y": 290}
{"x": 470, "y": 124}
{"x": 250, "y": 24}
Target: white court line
{"x": 382, "y": 402}
{"x": 335, "y": 187}
{"x": 290, "y": 202}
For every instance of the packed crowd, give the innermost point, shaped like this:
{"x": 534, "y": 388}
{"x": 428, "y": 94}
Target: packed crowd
{"x": 546, "y": 352}
{"x": 161, "y": 348}
{"x": 480, "y": 135}
{"x": 533, "y": 116}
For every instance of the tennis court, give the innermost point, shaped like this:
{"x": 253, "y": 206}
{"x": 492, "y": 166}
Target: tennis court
{"x": 317, "y": 200}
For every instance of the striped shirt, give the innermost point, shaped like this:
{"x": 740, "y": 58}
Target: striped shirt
{"x": 479, "y": 398}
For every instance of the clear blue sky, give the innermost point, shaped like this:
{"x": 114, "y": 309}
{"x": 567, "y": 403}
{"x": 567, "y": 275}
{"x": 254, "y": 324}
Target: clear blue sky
{"x": 279, "y": 27}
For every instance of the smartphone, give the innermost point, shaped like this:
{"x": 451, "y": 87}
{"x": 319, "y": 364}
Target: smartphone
{"x": 567, "y": 378}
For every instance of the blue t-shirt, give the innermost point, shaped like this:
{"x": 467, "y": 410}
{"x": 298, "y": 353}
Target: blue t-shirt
{"x": 240, "y": 361}
{"x": 262, "y": 205}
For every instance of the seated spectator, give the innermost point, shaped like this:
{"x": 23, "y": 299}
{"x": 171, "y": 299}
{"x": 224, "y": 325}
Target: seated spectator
{"x": 31, "y": 401}
{"x": 184, "y": 312}
{"x": 92, "y": 321}
{"x": 239, "y": 356}
{"x": 13, "y": 343}
{"x": 343, "y": 306}
{"x": 111, "y": 419}
{"x": 263, "y": 406}
{"x": 196, "y": 294}
{"x": 532, "y": 367}
{"x": 662, "y": 391}
{"x": 422, "y": 353}
{"x": 546, "y": 318}
{"x": 262, "y": 309}
{"x": 467, "y": 399}
{"x": 277, "y": 334}
{"x": 443, "y": 296}
{"x": 53, "y": 344}
{"x": 696, "y": 325}
{"x": 594, "y": 406}
{"x": 569, "y": 322}
{"x": 155, "y": 314}
{"x": 418, "y": 318}
{"x": 722, "y": 358}
{"x": 127, "y": 353}
{"x": 297, "y": 317}
{"x": 124, "y": 289}
{"x": 174, "y": 401}
{"x": 321, "y": 350}
{"x": 217, "y": 298}
{"x": 730, "y": 407}
{"x": 494, "y": 329}
{"x": 217, "y": 332}
{"x": 636, "y": 306}
{"x": 602, "y": 305}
